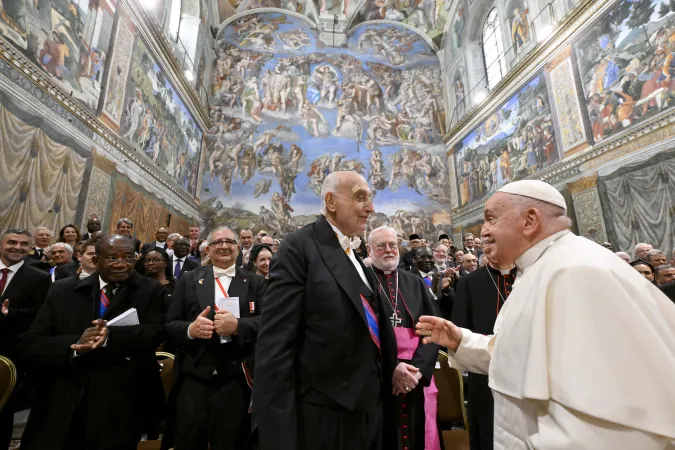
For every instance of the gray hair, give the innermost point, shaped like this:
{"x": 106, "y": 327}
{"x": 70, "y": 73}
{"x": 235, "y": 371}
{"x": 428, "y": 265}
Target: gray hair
{"x": 438, "y": 245}
{"x": 38, "y": 229}
{"x": 655, "y": 252}
{"x": 209, "y": 239}
{"x": 17, "y": 231}
{"x": 330, "y": 185}
{"x": 658, "y": 269}
{"x": 641, "y": 244}
{"x": 174, "y": 236}
{"x": 202, "y": 246}
{"x": 123, "y": 220}
{"x": 622, "y": 255}
{"x": 68, "y": 248}
{"x": 380, "y": 229}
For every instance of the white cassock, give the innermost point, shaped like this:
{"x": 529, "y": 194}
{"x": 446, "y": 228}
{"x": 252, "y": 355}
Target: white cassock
{"x": 583, "y": 355}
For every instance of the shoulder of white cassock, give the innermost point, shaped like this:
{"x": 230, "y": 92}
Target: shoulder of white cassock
{"x": 583, "y": 328}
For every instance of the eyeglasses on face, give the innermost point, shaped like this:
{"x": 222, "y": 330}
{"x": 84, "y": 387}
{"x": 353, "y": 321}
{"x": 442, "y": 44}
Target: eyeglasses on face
{"x": 220, "y": 242}
{"x": 383, "y": 246}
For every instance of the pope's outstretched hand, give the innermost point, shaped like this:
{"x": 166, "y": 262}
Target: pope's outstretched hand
{"x": 439, "y": 331}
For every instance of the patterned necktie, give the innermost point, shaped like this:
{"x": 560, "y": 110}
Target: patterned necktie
{"x": 3, "y": 281}
{"x": 176, "y": 272}
{"x": 107, "y": 297}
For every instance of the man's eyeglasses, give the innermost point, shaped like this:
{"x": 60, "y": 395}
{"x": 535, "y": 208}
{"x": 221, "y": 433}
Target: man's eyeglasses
{"x": 220, "y": 242}
{"x": 114, "y": 259}
{"x": 383, "y": 246}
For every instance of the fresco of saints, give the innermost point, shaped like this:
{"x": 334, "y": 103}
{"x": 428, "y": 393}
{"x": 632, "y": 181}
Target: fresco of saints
{"x": 520, "y": 28}
{"x": 14, "y": 13}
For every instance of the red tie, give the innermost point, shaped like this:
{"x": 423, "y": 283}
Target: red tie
{"x": 3, "y": 281}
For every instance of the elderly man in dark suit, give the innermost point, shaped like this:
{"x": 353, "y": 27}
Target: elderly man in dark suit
{"x": 212, "y": 393}
{"x": 100, "y": 386}
{"x": 125, "y": 227}
{"x": 326, "y": 348}
{"x": 23, "y": 288}
{"x": 180, "y": 262}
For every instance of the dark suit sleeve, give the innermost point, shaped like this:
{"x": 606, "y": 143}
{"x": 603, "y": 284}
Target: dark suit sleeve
{"x": 21, "y": 318}
{"x": 139, "y": 339}
{"x": 274, "y": 395}
{"x": 248, "y": 326}
{"x": 176, "y": 323}
{"x": 41, "y": 348}
{"x": 461, "y": 311}
{"x": 426, "y": 354}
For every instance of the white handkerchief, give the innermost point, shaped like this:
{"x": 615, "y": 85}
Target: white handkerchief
{"x": 230, "y": 304}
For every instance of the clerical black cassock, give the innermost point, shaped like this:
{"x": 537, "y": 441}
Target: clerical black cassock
{"x": 408, "y": 299}
{"x": 479, "y": 297}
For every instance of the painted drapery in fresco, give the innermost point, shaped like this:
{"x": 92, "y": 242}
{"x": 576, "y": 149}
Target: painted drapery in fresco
{"x": 638, "y": 202}
{"x": 41, "y": 179}
{"x": 147, "y": 213}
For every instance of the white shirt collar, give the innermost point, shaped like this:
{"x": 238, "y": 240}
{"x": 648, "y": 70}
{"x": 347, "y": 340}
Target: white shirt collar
{"x": 179, "y": 259}
{"x": 426, "y": 274}
{"x": 13, "y": 268}
{"x": 533, "y": 253}
{"x": 339, "y": 233}
{"x": 101, "y": 283}
{"x": 160, "y": 244}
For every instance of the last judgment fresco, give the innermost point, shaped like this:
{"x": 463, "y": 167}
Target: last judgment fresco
{"x": 287, "y": 111}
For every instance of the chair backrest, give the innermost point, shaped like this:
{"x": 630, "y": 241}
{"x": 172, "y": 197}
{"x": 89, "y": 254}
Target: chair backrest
{"x": 450, "y": 393}
{"x": 166, "y": 361}
{"x": 7, "y": 380}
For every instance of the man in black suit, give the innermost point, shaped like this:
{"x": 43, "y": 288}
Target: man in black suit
{"x": 180, "y": 263}
{"x": 93, "y": 226}
{"x": 212, "y": 393}
{"x": 160, "y": 235}
{"x": 423, "y": 267}
{"x": 85, "y": 255}
{"x": 479, "y": 297}
{"x": 326, "y": 349}
{"x": 407, "y": 262}
{"x": 99, "y": 387}
{"x": 470, "y": 247}
{"x": 246, "y": 241}
{"x": 669, "y": 290}
{"x": 43, "y": 238}
{"x": 125, "y": 227}
{"x": 23, "y": 289}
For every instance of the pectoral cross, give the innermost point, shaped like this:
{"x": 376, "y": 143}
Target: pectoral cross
{"x": 395, "y": 320}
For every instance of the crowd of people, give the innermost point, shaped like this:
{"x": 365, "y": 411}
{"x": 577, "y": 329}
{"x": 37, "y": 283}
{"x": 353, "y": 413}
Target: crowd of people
{"x": 326, "y": 340}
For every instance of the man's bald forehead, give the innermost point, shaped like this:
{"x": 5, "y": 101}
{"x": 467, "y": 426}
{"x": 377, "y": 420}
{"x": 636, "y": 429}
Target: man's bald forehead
{"x": 422, "y": 250}
{"x": 468, "y": 257}
{"x": 105, "y": 243}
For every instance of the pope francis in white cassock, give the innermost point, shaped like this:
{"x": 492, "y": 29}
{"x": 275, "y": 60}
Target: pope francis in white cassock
{"x": 583, "y": 351}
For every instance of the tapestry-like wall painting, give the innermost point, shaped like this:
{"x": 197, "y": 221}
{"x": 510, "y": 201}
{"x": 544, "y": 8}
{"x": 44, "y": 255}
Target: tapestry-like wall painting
{"x": 156, "y": 123}
{"x": 287, "y": 111}
{"x": 515, "y": 142}
{"x": 566, "y": 102}
{"x": 68, "y": 39}
{"x": 625, "y": 64}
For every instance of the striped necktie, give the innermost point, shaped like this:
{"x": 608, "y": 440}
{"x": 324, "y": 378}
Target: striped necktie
{"x": 371, "y": 318}
{"x": 107, "y": 297}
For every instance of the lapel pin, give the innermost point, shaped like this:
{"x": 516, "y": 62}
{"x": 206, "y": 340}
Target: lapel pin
{"x": 201, "y": 281}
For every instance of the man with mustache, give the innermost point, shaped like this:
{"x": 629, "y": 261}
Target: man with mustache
{"x": 23, "y": 289}
{"x": 581, "y": 331}
{"x": 326, "y": 349}
{"x": 210, "y": 399}
{"x": 407, "y": 298}
{"x": 100, "y": 387}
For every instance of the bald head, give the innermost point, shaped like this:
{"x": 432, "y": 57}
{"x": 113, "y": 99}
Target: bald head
{"x": 514, "y": 223}
{"x": 346, "y": 201}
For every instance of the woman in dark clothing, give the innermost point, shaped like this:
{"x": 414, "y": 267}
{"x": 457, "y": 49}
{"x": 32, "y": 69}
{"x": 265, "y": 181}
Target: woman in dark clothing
{"x": 158, "y": 267}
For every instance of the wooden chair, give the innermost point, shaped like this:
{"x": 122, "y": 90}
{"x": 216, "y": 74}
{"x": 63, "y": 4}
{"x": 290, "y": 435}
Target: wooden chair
{"x": 165, "y": 360}
{"x": 7, "y": 380}
{"x": 451, "y": 408}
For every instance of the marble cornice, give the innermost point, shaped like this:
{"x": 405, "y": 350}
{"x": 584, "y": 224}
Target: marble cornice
{"x": 156, "y": 42}
{"x": 571, "y": 25}
{"x": 101, "y": 133}
{"x": 657, "y": 133}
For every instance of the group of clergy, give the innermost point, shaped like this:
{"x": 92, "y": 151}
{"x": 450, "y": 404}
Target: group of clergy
{"x": 330, "y": 353}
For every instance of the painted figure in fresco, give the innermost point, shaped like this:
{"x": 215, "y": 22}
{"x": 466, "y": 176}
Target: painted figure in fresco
{"x": 299, "y": 91}
{"x": 313, "y": 119}
{"x": 460, "y": 105}
{"x": 295, "y": 39}
{"x": 326, "y": 80}
{"x": 282, "y": 211}
{"x": 251, "y": 106}
{"x": 377, "y": 174}
{"x": 13, "y": 12}
{"x": 346, "y": 114}
{"x": 134, "y": 112}
{"x": 457, "y": 27}
{"x": 247, "y": 163}
{"x": 520, "y": 28}
{"x": 53, "y": 55}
